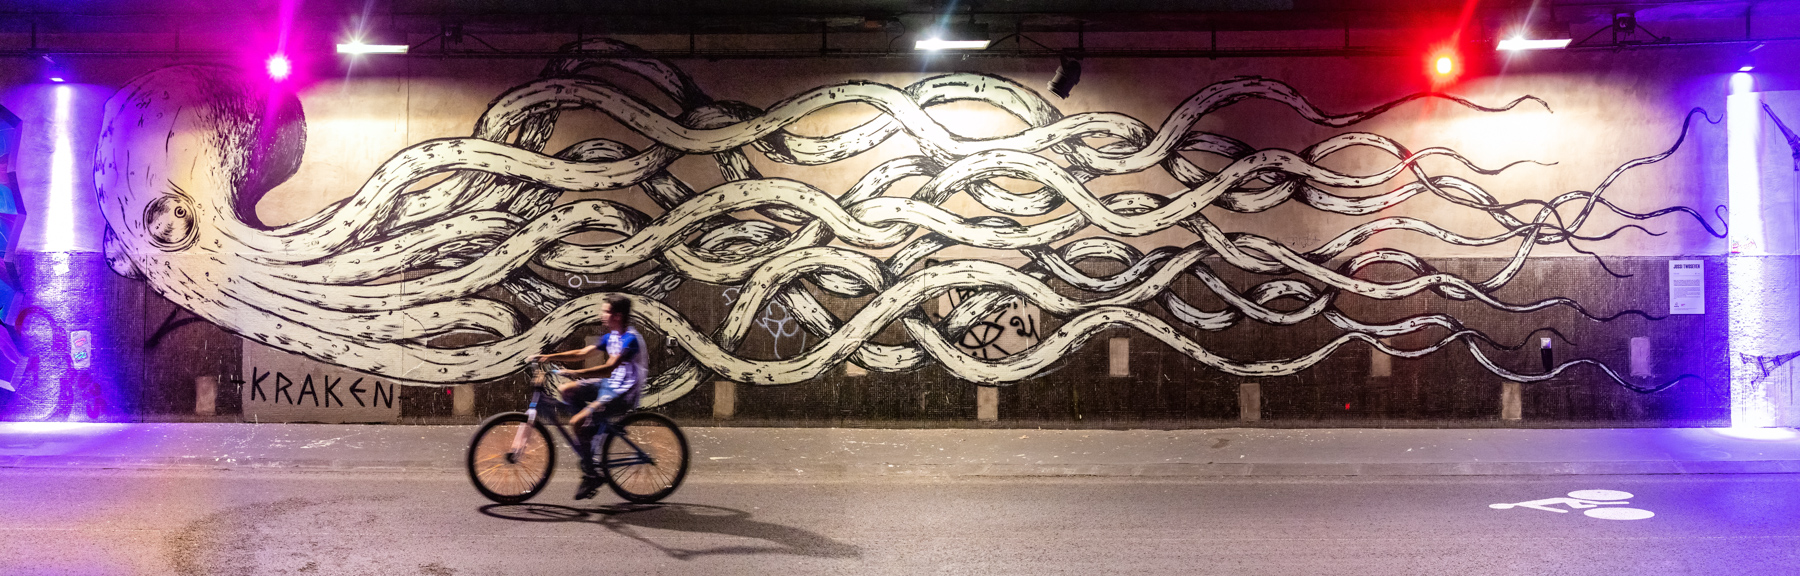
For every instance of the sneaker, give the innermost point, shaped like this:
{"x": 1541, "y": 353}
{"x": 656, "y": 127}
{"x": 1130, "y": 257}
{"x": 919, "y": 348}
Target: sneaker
{"x": 590, "y": 485}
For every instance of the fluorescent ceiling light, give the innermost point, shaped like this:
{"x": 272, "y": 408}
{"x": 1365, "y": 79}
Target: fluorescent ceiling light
{"x": 954, "y": 37}
{"x": 941, "y": 44}
{"x": 1520, "y": 43}
{"x": 361, "y": 48}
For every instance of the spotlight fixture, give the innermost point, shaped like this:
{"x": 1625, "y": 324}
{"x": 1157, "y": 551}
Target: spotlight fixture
{"x": 1444, "y": 65}
{"x": 954, "y": 37}
{"x": 280, "y": 67}
{"x": 53, "y": 70}
{"x": 1068, "y": 73}
{"x": 1748, "y": 61}
{"x": 1625, "y": 23}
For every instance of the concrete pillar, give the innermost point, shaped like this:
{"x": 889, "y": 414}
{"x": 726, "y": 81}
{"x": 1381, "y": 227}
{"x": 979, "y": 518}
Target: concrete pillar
{"x": 724, "y": 399}
{"x": 1512, "y": 401}
{"x": 462, "y": 400}
{"x": 987, "y": 403}
{"x": 1764, "y": 325}
{"x": 206, "y": 395}
{"x": 1761, "y": 268}
{"x": 1250, "y": 402}
{"x": 1118, "y": 357}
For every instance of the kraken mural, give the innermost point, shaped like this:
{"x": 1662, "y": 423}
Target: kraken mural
{"x": 472, "y": 236}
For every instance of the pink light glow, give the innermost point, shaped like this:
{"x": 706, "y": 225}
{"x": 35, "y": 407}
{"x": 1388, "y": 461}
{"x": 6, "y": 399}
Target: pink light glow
{"x": 280, "y": 67}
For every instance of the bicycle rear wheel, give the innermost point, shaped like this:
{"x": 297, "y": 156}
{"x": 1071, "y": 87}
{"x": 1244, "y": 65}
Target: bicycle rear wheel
{"x": 499, "y": 473}
{"x": 645, "y": 457}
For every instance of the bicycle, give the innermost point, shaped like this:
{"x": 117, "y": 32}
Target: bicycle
{"x": 643, "y": 460}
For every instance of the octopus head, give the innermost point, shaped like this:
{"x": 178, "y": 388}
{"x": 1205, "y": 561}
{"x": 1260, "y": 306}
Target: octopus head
{"x": 184, "y": 154}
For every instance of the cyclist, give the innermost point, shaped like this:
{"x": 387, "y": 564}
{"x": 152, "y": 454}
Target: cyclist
{"x": 609, "y": 398}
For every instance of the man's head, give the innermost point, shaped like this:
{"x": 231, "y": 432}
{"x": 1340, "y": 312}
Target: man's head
{"x": 616, "y": 311}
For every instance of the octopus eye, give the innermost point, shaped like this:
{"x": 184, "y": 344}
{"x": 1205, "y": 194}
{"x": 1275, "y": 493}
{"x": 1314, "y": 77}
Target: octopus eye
{"x": 170, "y": 222}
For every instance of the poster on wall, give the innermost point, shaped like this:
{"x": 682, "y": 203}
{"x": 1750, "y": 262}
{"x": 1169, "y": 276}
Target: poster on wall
{"x": 282, "y": 387}
{"x": 1687, "y": 287}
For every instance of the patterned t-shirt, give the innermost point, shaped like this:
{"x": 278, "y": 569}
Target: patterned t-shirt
{"x": 627, "y": 378}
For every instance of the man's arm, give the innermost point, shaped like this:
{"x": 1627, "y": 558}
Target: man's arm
{"x": 603, "y": 368}
{"x": 566, "y": 356}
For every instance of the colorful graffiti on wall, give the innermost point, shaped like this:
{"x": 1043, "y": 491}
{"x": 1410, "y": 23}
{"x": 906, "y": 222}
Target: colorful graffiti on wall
{"x": 476, "y": 227}
{"x": 12, "y": 220}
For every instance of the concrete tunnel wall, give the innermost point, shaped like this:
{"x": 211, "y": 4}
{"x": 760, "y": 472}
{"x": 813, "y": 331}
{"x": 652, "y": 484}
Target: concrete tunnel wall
{"x": 1577, "y": 121}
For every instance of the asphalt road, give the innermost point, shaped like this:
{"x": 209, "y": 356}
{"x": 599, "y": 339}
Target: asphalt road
{"x": 203, "y": 522}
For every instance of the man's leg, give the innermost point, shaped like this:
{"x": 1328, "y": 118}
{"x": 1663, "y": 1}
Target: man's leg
{"x": 578, "y": 394}
{"x": 586, "y": 448}
{"x": 591, "y": 479}
{"x": 610, "y": 413}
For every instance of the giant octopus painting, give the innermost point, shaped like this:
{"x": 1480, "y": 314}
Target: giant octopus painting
{"x": 478, "y": 226}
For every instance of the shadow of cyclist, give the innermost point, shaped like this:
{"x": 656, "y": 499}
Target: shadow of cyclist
{"x": 628, "y": 519}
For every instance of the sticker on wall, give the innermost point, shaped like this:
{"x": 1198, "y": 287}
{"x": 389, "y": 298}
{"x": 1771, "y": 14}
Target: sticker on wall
{"x": 480, "y": 228}
{"x": 81, "y": 349}
{"x": 282, "y": 387}
{"x": 1602, "y": 504}
{"x": 1687, "y": 286}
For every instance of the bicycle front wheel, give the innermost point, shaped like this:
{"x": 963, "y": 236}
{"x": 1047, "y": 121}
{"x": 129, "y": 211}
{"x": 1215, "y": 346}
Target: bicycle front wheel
{"x": 645, "y": 457}
{"x": 502, "y": 474}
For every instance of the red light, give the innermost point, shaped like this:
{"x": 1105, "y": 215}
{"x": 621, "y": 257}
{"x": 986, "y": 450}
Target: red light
{"x": 280, "y": 67}
{"x": 1445, "y": 65}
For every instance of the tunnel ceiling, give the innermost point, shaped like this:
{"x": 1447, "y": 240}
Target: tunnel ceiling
{"x": 812, "y": 16}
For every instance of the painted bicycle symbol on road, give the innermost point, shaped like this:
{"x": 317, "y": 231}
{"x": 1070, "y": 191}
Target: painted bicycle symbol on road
{"x": 1593, "y": 503}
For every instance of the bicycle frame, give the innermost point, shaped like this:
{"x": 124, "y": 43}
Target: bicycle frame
{"x": 638, "y": 455}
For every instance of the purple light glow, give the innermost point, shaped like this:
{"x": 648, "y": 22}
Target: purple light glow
{"x": 59, "y": 206}
{"x": 280, "y": 67}
{"x": 1749, "y": 433}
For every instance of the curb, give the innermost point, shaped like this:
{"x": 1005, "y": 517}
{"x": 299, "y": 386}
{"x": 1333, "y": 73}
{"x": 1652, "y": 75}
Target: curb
{"x": 863, "y": 470}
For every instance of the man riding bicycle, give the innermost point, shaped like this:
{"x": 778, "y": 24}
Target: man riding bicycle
{"x": 626, "y": 367}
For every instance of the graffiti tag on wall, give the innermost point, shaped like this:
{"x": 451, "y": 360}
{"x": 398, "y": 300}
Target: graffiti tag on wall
{"x": 282, "y": 387}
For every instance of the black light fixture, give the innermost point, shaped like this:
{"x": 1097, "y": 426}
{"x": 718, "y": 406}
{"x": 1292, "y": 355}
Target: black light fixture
{"x": 1068, "y": 73}
{"x": 1624, "y": 23}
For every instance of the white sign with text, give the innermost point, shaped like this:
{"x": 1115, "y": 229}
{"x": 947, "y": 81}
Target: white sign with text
{"x": 282, "y": 387}
{"x": 1687, "y": 287}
